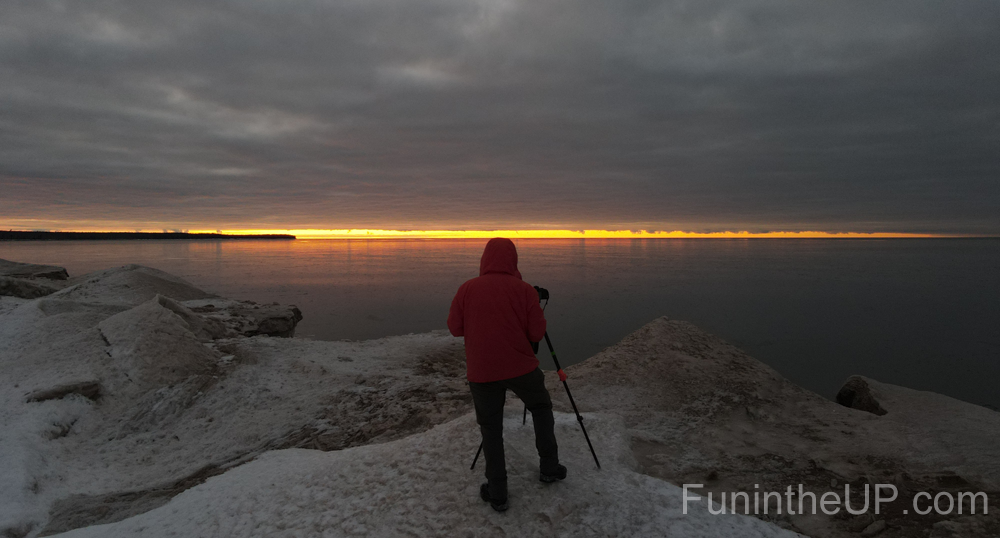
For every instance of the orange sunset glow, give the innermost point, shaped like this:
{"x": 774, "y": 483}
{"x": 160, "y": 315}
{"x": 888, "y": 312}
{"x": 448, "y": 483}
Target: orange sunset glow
{"x": 562, "y": 234}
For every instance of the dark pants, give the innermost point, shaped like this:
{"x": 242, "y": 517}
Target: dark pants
{"x": 489, "y": 399}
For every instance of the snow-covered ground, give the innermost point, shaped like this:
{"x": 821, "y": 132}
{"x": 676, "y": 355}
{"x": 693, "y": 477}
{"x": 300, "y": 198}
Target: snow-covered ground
{"x": 182, "y": 397}
{"x": 422, "y": 486}
{"x": 133, "y": 403}
{"x": 702, "y": 411}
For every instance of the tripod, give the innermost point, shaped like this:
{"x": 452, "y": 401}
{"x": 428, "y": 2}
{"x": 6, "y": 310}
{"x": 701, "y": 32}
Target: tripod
{"x": 544, "y": 294}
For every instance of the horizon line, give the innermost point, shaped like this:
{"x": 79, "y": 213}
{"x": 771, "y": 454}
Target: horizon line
{"x": 381, "y": 233}
{"x": 369, "y": 233}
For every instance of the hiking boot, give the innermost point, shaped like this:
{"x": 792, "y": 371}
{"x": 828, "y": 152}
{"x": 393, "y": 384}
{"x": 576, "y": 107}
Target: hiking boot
{"x": 552, "y": 475}
{"x": 497, "y": 504}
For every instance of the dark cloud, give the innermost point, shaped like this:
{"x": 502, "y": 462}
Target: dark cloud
{"x": 757, "y": 114}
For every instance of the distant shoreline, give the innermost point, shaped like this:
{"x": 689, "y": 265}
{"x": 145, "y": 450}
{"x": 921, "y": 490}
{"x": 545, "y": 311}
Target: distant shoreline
{"x": 17, "y": 235}
{"x": 117, "y": 236}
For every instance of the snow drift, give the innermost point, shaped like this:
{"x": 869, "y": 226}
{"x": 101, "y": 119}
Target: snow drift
{"x": 702, "y": 411}
{"x": 129, "y": 284}
{"x": 422, "y": 486}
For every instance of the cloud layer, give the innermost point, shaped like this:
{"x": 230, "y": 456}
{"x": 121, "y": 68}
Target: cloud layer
{"x": 700, "y": 115}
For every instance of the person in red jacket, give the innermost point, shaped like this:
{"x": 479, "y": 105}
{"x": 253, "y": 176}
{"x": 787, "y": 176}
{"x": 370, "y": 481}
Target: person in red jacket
{"x": 499, "y": 316}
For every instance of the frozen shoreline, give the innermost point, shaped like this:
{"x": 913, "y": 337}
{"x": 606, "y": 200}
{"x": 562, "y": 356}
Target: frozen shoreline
{"x": 189, "y": 388}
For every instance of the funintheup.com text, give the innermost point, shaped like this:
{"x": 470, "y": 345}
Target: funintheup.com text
{"x": 797, "y": 500}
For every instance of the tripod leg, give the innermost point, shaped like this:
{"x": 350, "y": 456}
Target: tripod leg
{"x": 524, "y": 419}
{"x": 474, "y": 460}
{"x": 562, "y": 377}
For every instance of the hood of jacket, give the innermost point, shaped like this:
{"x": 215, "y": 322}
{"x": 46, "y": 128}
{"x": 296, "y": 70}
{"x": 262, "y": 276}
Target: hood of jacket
{"x": 499, "y": 256}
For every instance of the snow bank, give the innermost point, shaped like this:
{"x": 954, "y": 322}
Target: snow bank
{"x": 177, "y": 405}
{"x": 32, "y": 270}
{"x": 129, "y": 284}
{"x": 9, "y": 303}
{"x": 151, "y": 347}
{"x": 942, "y": 433}
{"x": 25, "y": 461}
{"x": 422, "y": 486}
{"x": 247, "y": 318}
{"x": 27, "y": 289}
{"x": 702, "y": 411}
{"x": 48, "y": 342}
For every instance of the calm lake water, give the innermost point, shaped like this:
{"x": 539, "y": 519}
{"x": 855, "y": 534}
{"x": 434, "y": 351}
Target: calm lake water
{"x": 919, "y": 313}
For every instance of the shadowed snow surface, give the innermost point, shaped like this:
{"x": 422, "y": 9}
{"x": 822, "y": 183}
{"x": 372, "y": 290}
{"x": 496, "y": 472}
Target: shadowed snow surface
{"x": 422, "y": 486}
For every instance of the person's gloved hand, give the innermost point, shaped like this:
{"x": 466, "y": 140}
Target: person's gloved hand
{"x": 534, "y": 347}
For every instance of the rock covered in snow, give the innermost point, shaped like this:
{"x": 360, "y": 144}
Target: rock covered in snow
{"x": 32, "y": 270}
{"x": 151, "y": 347}
{"x": 857, "y": 393}
{"x": 90, "y": 389}
{"x": 9, "y": 303}
{"x": 130, "y": 285}
{"x": 205, "y": 328}
{"x": 94, "y": 378}
{"x": 178, "y": 404}
{"x": 210, "y": 317}
{"x": 702, "y": 411}
{"x": 48, "y": 342}
{"x": 874, "y": 528}
{"x": 136, "y": 452}
{"x": 947, "y": 439}
{"x": 25, "y": 289}
{"x": 247, "y": 318}
{"x": 30, "y": 281}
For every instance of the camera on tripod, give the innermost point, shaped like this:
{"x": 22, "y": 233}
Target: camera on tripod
{"x": 543, "y": 294}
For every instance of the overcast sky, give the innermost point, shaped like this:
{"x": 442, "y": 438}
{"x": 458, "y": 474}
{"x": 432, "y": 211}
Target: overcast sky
{"x": 704, "y": 115}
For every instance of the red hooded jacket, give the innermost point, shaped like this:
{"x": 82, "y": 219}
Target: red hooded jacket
{"x": 499, "y": 316}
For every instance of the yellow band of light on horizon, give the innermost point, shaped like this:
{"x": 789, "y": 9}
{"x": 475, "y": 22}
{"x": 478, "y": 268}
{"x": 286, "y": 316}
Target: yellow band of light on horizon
{"x": 562, "y": 234}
